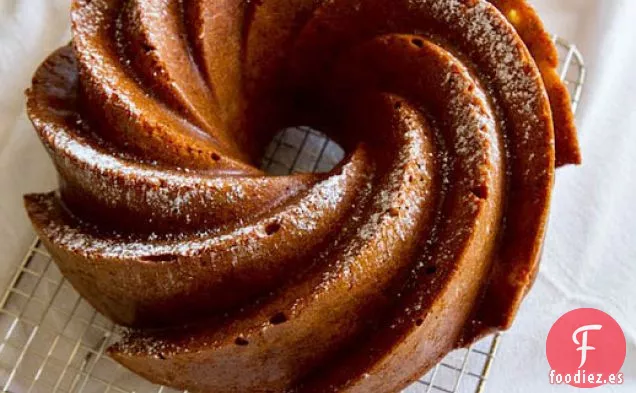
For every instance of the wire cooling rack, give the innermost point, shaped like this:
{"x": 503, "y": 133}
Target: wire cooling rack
{"x": 53, "y": 341}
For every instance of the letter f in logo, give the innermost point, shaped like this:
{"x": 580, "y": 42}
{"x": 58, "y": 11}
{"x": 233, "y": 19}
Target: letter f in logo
{"x": 583, "y": 344}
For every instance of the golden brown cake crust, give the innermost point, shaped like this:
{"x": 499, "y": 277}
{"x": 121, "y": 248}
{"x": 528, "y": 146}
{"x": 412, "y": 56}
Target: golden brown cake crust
{"x": 426, "y": 237}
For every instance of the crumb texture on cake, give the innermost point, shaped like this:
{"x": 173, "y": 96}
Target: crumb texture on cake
{"x": 424, "y": 238}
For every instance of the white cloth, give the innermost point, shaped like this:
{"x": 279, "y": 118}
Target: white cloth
{"x": 590, "y": 250}
{"x": 29, "y": 31}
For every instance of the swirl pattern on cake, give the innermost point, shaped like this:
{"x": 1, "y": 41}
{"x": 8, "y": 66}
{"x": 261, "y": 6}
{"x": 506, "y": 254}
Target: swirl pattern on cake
{"x": 424, "y": 238}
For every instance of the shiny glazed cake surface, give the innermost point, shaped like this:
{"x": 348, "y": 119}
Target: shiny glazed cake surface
{"x": 424, "y": 238}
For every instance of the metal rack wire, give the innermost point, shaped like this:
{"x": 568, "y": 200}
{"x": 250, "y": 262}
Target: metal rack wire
{"x": 53, "y": 341}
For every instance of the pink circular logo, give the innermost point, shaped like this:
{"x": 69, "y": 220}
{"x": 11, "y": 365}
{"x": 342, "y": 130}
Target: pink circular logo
{"x": 586, "y": 348}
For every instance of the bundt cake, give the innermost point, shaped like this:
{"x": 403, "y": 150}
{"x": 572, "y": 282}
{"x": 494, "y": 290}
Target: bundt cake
{"x": 424, "y": 238}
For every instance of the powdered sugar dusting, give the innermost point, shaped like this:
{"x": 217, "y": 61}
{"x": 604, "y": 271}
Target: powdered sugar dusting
{"x": 134, "y": 114}
{"x": 396, "y": 212}
{"x": 120, "y": 182}
{"x": 475, "y": 139}
{"x": 492, "y": 40}
{"x": 315, "y": 211}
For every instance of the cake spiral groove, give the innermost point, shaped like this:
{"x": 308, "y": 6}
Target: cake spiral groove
{"x": 424, "y": 238}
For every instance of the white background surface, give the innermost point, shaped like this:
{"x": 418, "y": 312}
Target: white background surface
{"x": 590, "y": 250}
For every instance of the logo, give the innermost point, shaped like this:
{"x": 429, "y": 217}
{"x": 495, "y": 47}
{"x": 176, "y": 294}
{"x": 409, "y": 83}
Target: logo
{"x": 586, "y": 348}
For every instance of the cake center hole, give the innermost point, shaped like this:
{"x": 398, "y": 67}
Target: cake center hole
{"x": 301, "y": 150}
